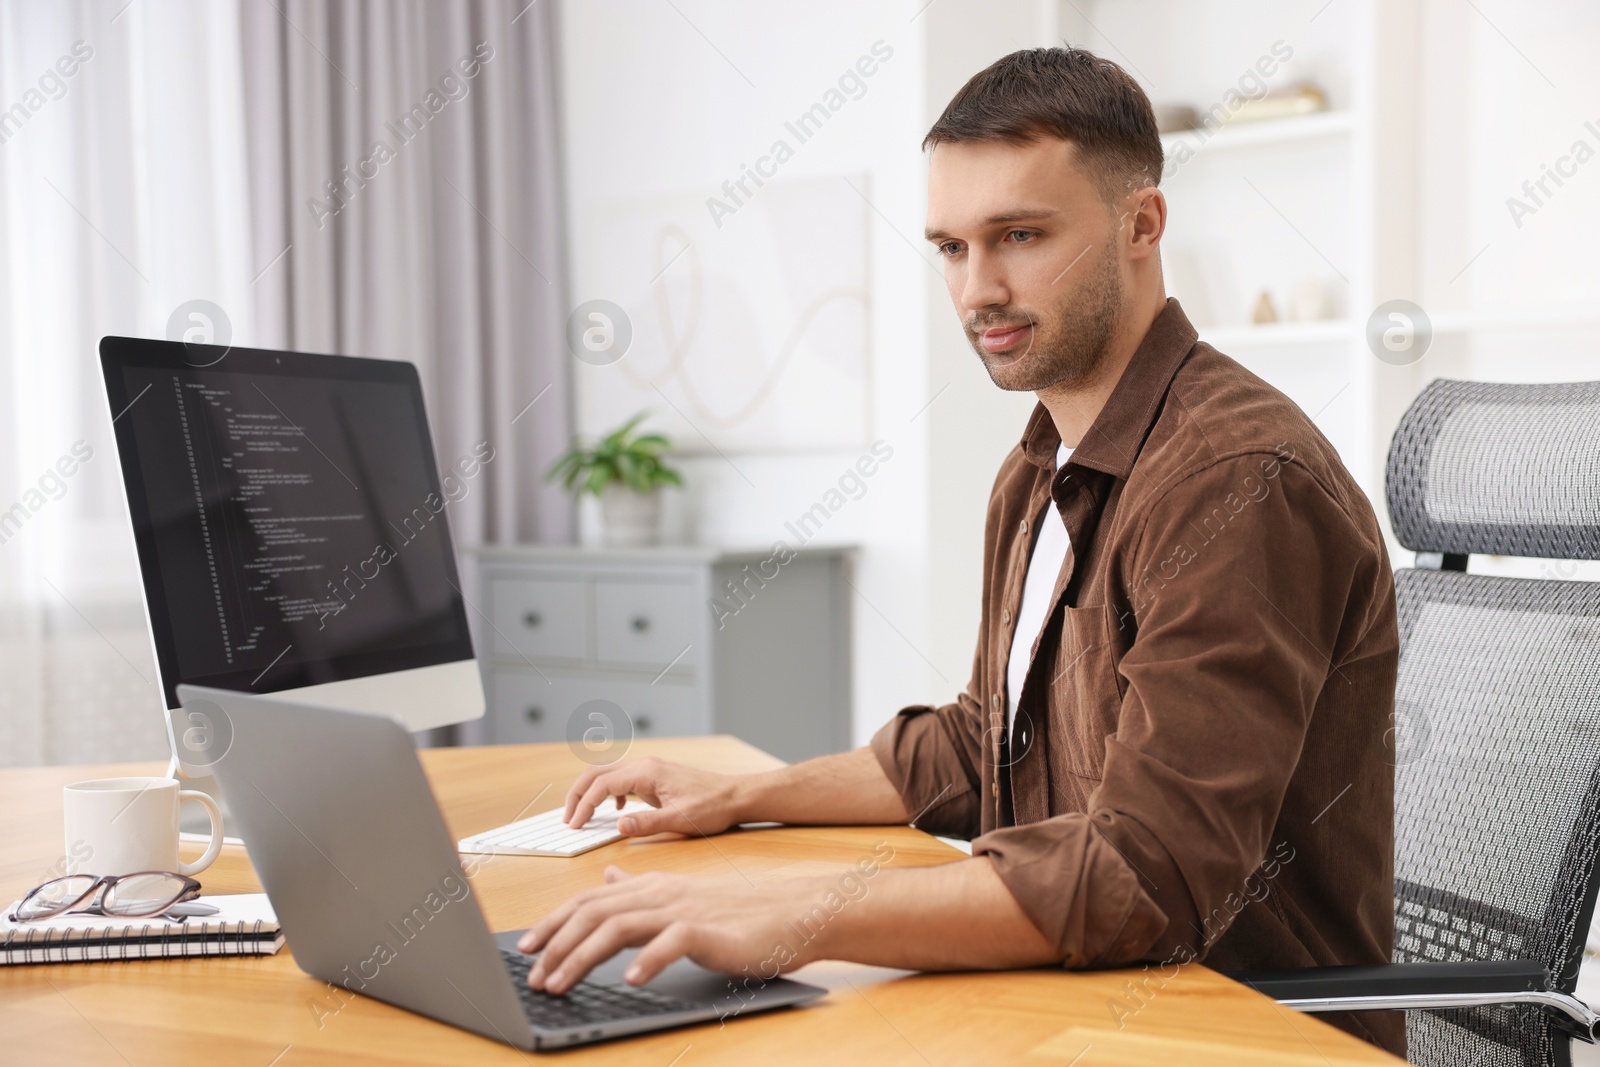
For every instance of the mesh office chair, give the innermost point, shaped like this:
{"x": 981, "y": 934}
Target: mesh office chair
{"x": 1497, "y": 779}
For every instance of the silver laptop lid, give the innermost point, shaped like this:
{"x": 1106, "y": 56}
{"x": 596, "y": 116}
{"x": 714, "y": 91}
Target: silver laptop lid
{"x": 348, "y": 842}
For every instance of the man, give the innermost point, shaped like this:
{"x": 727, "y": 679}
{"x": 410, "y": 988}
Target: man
{"x": 1171, "y": 748}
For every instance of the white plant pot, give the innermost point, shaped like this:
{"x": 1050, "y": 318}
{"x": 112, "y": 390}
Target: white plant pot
{"x": 630, "y": 519}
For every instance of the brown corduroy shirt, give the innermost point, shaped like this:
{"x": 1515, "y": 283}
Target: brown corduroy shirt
{"x": 1197, "y": 770}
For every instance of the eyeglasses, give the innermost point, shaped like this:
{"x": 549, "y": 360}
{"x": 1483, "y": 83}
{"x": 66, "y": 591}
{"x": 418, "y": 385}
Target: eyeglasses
{"x": 129, "y": 896}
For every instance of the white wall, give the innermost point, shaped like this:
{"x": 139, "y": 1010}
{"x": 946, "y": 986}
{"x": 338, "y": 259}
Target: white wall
{"x": 652, "y": 108}
{"x": 1504, "y": 95}
{"x": 1501, "y": 100}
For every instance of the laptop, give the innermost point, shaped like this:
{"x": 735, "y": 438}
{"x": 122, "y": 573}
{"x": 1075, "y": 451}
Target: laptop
{"x": 350, "y": 847}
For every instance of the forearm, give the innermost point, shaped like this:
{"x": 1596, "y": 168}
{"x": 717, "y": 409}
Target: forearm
{"x": 842, "y": 789}
{"x": 953, "y": 916}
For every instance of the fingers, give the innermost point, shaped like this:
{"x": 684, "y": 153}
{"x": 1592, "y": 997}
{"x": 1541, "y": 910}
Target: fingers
{"x": 546, "y": 928}
{"x": 618, "y": 782}
{"x": 675, "y": 941}
{"x": 593, "y": 786}
{"x": 602, "y": 905}
{"x": 540, "y": 931}
{"x": 579, "y": 787}
{"x": 606, "y": 940}
{"x": 645, "y": 823}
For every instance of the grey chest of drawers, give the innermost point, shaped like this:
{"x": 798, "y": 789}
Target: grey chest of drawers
{"x": 681, "y": 640}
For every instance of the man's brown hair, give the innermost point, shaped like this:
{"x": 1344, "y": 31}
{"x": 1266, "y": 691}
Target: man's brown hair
{"x": 1061, "y": 92}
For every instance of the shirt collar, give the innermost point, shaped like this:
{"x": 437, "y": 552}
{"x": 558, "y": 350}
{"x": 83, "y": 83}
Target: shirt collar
{"x": 1114, "y": 439}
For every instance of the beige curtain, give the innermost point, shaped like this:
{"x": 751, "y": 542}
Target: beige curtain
{"x": 174, "y": 150}
{"x": 405, "y": 198}
{"x": 121, "y": 197}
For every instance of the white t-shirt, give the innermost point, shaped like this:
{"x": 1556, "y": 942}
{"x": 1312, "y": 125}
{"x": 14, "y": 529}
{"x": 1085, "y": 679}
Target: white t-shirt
{"x": 1044, "y": 567}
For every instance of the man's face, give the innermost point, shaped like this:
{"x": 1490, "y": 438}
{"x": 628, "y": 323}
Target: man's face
{"x": 1031, "y": 258}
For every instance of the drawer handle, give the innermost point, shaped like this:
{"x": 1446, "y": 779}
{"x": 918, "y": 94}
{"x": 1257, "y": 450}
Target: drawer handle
{"x": 531, "y": 619}
{"x": 642, "y": 723}
{"x": 640, "y": 624}
{"x": 534, "y": 713}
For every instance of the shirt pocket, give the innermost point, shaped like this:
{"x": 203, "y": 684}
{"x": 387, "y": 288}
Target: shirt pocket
{"x": 1084, "y": 699}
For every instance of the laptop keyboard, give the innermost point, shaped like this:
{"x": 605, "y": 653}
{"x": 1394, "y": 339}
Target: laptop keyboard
{"x": 546, "y": 835}
{"x": 586, "y": 1003}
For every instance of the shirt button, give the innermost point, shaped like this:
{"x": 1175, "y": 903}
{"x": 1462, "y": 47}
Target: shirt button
{"x": 1024, "y": 525}
{"x": 1005, "y": 615}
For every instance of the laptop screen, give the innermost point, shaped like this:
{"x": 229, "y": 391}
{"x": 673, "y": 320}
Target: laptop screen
{"x": 288, "y": 512}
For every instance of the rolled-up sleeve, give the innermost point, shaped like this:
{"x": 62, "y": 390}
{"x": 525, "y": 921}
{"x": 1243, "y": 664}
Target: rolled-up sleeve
{"x": 932, "y": 758}
{"x": 1217, "y": 692}
{"x": 1076, "y": 888}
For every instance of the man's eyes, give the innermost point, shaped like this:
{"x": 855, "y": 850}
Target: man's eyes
{"x": 1021, "y": 237}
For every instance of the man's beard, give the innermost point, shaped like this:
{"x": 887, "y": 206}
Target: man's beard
{"x": 1068, "y": 347}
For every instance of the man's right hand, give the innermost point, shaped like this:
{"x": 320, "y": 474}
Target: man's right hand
{"x": 688, "y": 800}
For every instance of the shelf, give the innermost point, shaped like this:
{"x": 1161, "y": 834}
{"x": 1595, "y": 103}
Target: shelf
{"x": 1318, "y": 125}
{"x": 1275, "y": 334}
{"x": 1560, "y": 317}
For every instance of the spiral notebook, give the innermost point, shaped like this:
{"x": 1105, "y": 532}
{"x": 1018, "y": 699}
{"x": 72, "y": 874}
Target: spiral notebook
{"x": 243, "y": 926}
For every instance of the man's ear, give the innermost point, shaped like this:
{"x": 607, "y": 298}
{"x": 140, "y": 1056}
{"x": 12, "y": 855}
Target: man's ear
{"x": 1144, "y": 220}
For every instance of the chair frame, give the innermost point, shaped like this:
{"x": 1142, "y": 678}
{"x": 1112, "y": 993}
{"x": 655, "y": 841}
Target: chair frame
{"x": 1409, "y": 986}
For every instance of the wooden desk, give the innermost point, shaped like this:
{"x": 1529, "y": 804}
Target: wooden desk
{"x": 259, "y": 1010}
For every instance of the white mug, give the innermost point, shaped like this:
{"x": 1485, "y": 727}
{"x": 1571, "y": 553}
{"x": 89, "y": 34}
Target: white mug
{"x": 131, "y": 824}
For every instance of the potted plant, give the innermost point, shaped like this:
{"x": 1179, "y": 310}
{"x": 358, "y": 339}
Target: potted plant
{"x": 625, "y": 472}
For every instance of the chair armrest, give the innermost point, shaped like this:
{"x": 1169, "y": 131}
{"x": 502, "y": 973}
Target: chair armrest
{"x": 1398, "y": 986}
{"x": 1398, "y": 979}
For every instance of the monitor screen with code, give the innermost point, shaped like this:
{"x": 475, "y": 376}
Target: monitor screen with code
{"x": 289, "y": 514}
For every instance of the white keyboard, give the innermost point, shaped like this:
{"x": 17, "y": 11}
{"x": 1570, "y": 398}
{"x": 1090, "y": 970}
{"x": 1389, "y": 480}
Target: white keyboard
{"x": 546, "y": 835}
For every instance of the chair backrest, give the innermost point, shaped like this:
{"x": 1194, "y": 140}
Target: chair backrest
{"x": 1497, "y": 781}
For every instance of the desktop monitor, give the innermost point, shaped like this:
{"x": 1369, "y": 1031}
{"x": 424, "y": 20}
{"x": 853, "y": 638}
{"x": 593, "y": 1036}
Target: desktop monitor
{"x": 291, "y": 529}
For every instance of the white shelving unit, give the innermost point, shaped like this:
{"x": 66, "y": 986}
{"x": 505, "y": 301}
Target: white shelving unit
{"x": 1278, "y": 204}
{"x": 1265, "y": 132}
{"x": 1560, "y": 317}
{"x": 1280, "y": 335}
